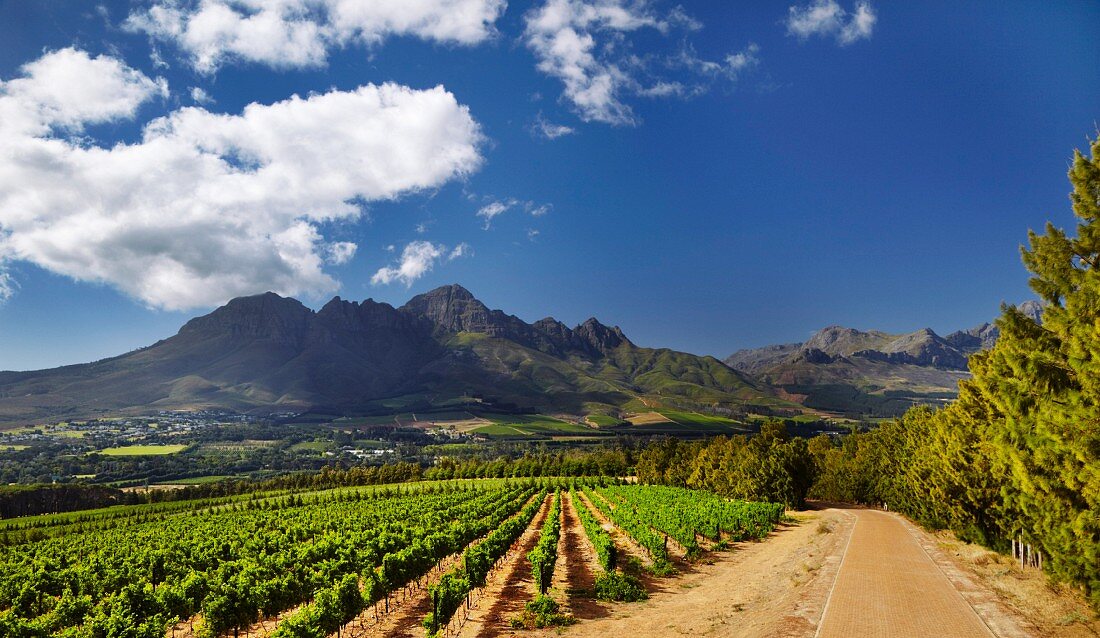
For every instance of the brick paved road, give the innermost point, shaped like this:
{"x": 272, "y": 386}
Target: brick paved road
{"x": 888, "y": 587}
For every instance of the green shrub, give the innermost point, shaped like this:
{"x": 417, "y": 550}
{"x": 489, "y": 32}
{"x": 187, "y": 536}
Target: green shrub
{"x": 541, "y": 612}
{"x": 619, "y": 587}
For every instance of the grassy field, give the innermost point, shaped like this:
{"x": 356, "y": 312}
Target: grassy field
{"x": 21, "y": 429}
{"x": 312, "y": 446}
{"x": 497, "y": 431}
{"x": 696, "y": 419}
{"x": 67, "y": 434}
{"x": 529, "y": 425}
{"x": 13, "y": 448}
{"x": 143, "y": 450}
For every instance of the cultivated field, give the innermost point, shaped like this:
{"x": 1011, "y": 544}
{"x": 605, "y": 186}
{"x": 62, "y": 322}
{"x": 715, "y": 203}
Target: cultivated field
{"x": 476, "y": 558}
{"x": 483, "y": 558}
{"x": 143, "y": 450}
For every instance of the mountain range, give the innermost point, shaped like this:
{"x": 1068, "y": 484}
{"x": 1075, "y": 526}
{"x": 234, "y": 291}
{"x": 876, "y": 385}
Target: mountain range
{"x": 444, "y": 349}
{"x": 869, "y": 373}
{"x": 267, "y": 353}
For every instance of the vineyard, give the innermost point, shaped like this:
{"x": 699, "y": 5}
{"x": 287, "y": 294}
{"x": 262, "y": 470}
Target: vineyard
{"x": 297, "y": 564}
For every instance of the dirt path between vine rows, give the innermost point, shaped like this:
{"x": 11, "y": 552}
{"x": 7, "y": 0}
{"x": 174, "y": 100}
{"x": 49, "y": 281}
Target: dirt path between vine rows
{"x": 575, "y": 571}
{"x": 509, "y": 588}
{"x": 407, "y": 608}
{"x": 628, "y": 548}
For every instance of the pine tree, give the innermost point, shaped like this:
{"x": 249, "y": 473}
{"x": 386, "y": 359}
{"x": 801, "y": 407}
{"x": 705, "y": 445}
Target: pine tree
{"x": 1043, "y": 381}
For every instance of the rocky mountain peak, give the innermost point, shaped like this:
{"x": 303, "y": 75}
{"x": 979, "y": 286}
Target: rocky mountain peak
{"x": 364, "y": 317}
{"x": 454, "y": 308}
{"x": 555, "y": 330}
{"x": 453, "y": 291}
{"x": 337, "y": 306}
{"x": 598, "y": 337}
{"x": 840, "y": 340}
{"x": 258, "y": 316}
{"x": 984, "y": 336}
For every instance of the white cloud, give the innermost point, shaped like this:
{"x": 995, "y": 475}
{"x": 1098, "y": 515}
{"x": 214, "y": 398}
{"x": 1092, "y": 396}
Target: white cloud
{"x": 417, "y": 259}
{"x": 299, "y": 33}
{"x": 827, "y": 18}
{"x": 549, "y": 130}
{"x": 67, "y": 89}
{"x": 157, "y": 59}
{"x": 493, "y": 209}
{"x": 584, "y": 43}
{"x": 461, "y": 250}
{"x": 537, "y": 210}
{"x": 731, "y": 67}
{"x": 861, "y": 25}
{"x": 7, "y": 284}
{"x": 532, "y": 234}
{"x": 340, "y": 252}
{"x": 207, "y": 206}
{"x": 497, "y": 207}
{"x": 742, "y": 60}
{"x": 678, "y": 17}
{"x": 199, "y": 96}
{"x": 562, "y": 34}
{"x": 664, "y": 88}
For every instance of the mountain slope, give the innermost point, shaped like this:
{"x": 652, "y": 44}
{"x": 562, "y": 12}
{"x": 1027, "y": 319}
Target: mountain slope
{"x": 268, "y": 353}
{"x": 871, "y": 373}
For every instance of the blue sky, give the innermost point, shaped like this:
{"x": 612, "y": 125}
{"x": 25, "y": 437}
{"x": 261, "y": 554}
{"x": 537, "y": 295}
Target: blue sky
{"x": 754, "y": 172}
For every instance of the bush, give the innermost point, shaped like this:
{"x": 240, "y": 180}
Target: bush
{"x": 661, "y": 567}
{"x": 541, "y": 612}
{"x": 619, "y": 587}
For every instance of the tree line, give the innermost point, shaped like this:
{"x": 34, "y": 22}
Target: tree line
{"x": 770, "y": 466}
